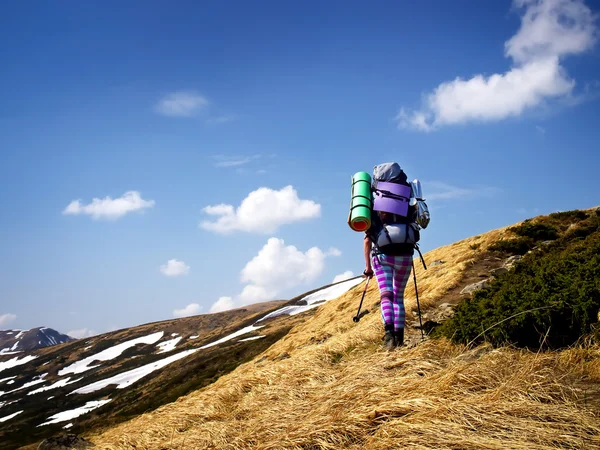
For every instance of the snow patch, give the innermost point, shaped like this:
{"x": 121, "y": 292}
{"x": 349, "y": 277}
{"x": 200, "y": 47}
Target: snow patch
{"x": 252, "y": 338}
{"x": 8, "y": 378}
{"x": 167, "y": 346}
{"x": 194, "y": 337}
{"x": 126, "y": 379}
{"x": 174, "y": 334}
{"x": 245, "y": 330}
{"x": 50, "y": 398}
{"x": 67, "y": 426}
{"x": 73, "y": 413}
{"x": 37, "y": 380}
{"x": 4, "y": 419}
{"x": 315, "y": 299}
{"x": 109, "y": 353}
{"x": 59, "y": 383}
{"x": 15, "y": 362}
{"x": 21, "y": 333}
{"x": 6, "y": 351}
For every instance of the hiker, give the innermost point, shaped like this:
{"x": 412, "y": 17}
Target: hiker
{"x": 389, "y": 245}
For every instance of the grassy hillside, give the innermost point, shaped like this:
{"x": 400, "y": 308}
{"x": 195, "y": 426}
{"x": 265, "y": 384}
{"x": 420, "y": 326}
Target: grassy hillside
{"x": 329, "y": 385}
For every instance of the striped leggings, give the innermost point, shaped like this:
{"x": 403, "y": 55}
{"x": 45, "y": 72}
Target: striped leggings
{"x": 392, "y": 274}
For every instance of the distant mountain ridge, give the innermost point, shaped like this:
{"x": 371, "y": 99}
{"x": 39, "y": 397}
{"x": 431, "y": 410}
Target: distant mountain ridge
{"x": 12, "y": 341}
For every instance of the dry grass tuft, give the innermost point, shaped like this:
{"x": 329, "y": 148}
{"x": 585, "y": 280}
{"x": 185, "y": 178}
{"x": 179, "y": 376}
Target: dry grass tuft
{"x": 336, "y": 388}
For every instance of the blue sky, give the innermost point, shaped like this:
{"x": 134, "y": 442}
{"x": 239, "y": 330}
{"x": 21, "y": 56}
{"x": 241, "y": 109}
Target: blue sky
{"x": 159, "y": 112}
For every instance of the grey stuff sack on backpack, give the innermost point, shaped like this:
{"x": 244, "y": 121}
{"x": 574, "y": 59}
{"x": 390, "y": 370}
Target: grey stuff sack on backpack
{"x": 399, "y": 233}
{"x": 387, "y": 172}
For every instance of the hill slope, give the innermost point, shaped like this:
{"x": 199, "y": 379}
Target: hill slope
{"x": 116, "y": 376}
{"x": 329, "y": 385}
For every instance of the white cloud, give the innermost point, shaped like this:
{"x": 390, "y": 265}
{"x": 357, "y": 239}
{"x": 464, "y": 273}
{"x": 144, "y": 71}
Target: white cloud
{"x": 7, "y": 318}
{"x": 262, "y": 211}
{"x": 550, "y": 30}
{"x": 334, "y": 252}
{"x": 81, "y": 333}
{"x": 192, "y": 309}
{"x": 233, "y": 161}
{"x": 278, "y": 267}
{"x": 343, "y": 276}
{"x": 275, "y": 269}
{"x": 109, "y": 208}
{"x": 223, "y": 304}
{"x": 181, "y": 104}
{"x": 174, "y": 268}
{"x": 540, "y": 130}
{"x": 437, "y": 190}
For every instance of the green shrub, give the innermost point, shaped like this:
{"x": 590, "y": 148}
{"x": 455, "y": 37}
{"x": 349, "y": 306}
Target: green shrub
{"x": 517, "y": 246}
{"x": 536, "y": 231}
{"x": 549, "y": 301}
{"x": 573, "y": 215}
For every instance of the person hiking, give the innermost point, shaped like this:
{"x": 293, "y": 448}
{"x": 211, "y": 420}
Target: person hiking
{"x": 389, "y": 245}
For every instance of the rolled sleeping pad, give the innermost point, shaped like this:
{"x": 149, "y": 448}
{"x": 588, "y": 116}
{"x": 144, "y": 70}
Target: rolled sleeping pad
{"x": 362, "y": 202}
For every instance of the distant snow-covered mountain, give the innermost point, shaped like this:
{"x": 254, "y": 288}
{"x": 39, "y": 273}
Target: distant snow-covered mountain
{"x": 13, "y": 341}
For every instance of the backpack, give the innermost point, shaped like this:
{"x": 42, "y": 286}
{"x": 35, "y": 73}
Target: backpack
{"x": 399, "y": 211}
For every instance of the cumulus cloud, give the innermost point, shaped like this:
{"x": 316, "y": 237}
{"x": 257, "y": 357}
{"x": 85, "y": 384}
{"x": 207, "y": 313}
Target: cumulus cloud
{"x": 175, "y": 268}
{"x": 343, "y": 276}
{"x": 81, "y": 333}
{"x": 276, "y": 268}
{"x": 262, "y": 211}
{"x": 181, "y": 104}
{"x": 550, "y": 31}
{"x": 223, "y": 304}
{"x": 192, "y": 309}
{"x": 7, "y": 318}
{"x": 109, "y": 208}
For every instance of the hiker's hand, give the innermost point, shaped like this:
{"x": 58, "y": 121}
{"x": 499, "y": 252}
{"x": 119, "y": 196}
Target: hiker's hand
{"x": 368, "y": 272}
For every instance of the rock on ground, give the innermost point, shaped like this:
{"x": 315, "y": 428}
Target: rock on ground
{"x": 65, "y": 442}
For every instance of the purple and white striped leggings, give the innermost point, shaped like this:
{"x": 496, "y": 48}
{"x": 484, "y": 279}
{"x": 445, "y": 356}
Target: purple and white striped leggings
{"x": 392, "y": 274}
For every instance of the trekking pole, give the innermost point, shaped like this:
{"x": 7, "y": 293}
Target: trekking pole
{"x": 357, "y": 318}
{"x": 418, "y": 305}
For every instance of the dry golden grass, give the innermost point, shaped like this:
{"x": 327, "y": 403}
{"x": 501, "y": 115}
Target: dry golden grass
{"x": 337, "y": 389}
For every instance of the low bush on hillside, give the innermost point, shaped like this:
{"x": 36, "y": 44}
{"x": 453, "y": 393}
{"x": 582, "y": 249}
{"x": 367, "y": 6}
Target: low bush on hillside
{"x": 535, "y": 230}
{"x": 549, "y": 300}
{"x": 569, "y": 215}
{"x": 516, "y": 246}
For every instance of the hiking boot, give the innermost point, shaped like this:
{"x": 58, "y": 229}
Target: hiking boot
{"x": 399, "y": 337}
{"x": 389, "y": 342}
